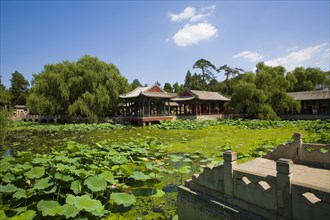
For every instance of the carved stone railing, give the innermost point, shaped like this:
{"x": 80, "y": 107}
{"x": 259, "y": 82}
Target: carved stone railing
{"x": 228, "y": 192}
{"x": 302, "y": 153}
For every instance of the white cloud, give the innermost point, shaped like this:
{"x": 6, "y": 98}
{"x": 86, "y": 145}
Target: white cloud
{"x": 190, "y": 13}
{"x": 296, "y": 58}
{"x": 187, "y": 13}
{"x": 192, "y": 34}
{"x": 205, "y": 12}
{"x": 250, "y": 55}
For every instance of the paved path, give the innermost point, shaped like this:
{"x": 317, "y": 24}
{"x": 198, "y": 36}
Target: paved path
{"x": 302, "y": 175}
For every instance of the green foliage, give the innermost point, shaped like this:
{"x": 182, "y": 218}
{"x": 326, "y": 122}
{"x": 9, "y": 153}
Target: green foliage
{"x": 145, "y": 168}
{"x": 18, "y": 89}
{"x": 21, "y": 126}
{"x": 168, "y": 87}
{"x": 5, "y": 123}
{"x": 230, "y": 71}
{"x": 207, "y": 69}
{"x": 4, "y": 97}
{"x": 124, "y": 199}
{"x": 97, "y": 176}
{"x": 136, "y": 83}
{"x": 309, "y": 79}
{"x": 263, "y": 96}
{"x": 88, "y": 87}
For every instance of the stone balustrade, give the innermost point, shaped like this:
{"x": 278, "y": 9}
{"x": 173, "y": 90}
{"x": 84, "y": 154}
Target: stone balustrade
{"x": 259, "y": 189}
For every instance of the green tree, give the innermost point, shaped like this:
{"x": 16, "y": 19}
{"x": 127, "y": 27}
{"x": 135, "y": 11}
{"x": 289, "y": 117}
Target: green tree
{"x": 251, "y": 102}
{"x": 168, "y": 87}
{"x": 4, "y": 96}
{"x": 88, "y": 87}
{"x": 188, "y": 80}
{"x": 136, "y": 83}
{"x": 178, "y": 88}
{"x": 19, "y": 89}
{"x": 207, "y": 69}
{"x": 4, "y": 124}
{"x": 230, "y": 71}
{"x": 309, "y": 79}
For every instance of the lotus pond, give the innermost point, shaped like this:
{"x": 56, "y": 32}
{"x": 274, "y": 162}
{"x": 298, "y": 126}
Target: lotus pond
{"x": 104, "y": 171}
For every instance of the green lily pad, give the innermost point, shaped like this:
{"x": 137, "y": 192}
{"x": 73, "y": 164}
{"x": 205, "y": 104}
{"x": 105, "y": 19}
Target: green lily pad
{"x": 64, "y": 177}
{"x": 183, "y": 170}
{"x": 124, "y": 199}
{"x": 9, "y": 188}
{"x": 159, "y": 193}
{"x": 96, "y": 183}
{"x": 85, "y": 203}
{"x": 127, "y": 169}
{"x": 20, "y": 193}
{"x": 49, "y": 208}
{"x": 35, "y": 173}
{"x": 76, "y": 187}
{"x": 108, "y": 176}
{"x": 8, "y": 178}
{"x": 69, "y": 211}
{"x": 64, "y": 168}
{"x": 28, "y": 215}
{"x": 137, "y": 175}
{"x": 43, "y": 183}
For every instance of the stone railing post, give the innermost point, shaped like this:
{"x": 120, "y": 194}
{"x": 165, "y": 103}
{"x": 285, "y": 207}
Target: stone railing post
{"x": 284, "y": 169}
{"x": 298, "y": 144}
{"x": 230, "y": 164}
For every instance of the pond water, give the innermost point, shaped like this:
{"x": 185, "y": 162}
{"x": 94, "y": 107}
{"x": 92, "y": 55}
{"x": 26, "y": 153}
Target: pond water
{"x": 183, "y": 152}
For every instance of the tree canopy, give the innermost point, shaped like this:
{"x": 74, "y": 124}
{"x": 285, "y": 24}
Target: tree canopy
{"x": 88, "y": 87}
{"x": 207, "y": 69}
{"x": 19, "y": 89}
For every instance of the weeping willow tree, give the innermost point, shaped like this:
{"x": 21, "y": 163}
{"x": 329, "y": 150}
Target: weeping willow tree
{"x": 88, "y": 87}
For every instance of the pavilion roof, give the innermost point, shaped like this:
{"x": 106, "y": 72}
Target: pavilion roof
{"x": 310, "y": 95}
{"x": 153, "y": 91}
{"x": 200, "y": 95}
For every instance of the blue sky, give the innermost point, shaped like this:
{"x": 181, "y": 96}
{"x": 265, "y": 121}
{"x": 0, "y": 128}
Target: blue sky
{"x": 161, "y": 40}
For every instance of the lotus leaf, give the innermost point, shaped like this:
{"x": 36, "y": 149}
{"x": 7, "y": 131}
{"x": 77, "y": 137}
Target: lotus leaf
{"x": 144, "y": 159}
{"x": 85, "y": 203}
{"x": 20, "y": 193}
{"x": 127, "y": 169}
{"x": 183, "y": 170}
{"x": 96, "y": 183}
{"x": 43, "y": 183}
{"x": 324, "y": 150}
{"x": 20, "y": 210}
{"x": 49, "y": 208}
{"x": 4, "y": 167}
{"x": 3, "y": 214}
{"x": 69, "y": 211}
{"x": 82, "y": 173}
{"x": 124, "y": 199}
{"x": 159, "y": 193}
{"x": 35, "y": 173}
{"x": 8, "y": 178}
{"x": 118, "y": 159}
{"x": 137, "y": 175}
{"x": 9, "y": 188}
{"x": 76, "y": 187}
{"x": 72, "y": 147}
{"x": 108, "y": 176}
{"x": 29, "y": 214}
{"x": 64, "y": 168}
{"x": 40, "y": 160}
{"x": 64, "y": 177}
{"x": 20, "y": 168}
{"x": 52, "y": 190}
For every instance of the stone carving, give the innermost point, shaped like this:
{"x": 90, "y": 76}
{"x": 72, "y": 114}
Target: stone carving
{"x": 273, "y": 187}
